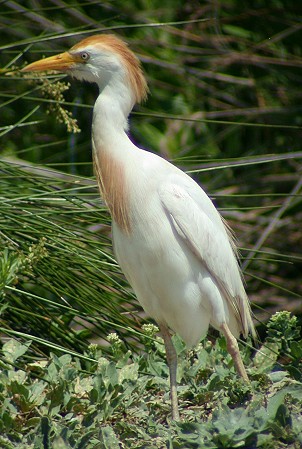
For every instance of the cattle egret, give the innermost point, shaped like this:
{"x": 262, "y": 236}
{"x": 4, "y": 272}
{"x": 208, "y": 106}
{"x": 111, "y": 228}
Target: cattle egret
{"x": 168, "y": 237}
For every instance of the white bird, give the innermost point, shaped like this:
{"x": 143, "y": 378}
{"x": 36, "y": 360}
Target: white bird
{"x": 169, "y": 239}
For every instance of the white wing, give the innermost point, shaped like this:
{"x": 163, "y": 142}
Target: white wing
{"x": 198, "y": 223}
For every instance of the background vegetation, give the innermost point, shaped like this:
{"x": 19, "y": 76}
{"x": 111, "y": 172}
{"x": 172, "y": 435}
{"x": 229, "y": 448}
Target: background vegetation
{"x": 225, "y": 105}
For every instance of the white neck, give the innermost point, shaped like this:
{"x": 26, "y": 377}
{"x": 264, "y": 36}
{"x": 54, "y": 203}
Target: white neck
{"x": 110, "y": 116}
{"x": 112, "y": 152}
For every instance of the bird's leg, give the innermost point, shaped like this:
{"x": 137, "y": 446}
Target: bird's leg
{"x": 172, "y": 364}
{"x": 233, "y": 349}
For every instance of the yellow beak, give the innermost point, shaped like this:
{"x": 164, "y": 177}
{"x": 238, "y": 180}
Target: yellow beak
{"x": 62, "y": 63}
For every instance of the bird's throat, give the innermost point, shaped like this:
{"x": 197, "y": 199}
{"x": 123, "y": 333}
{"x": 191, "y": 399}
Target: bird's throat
{"x": 112, "y": 182}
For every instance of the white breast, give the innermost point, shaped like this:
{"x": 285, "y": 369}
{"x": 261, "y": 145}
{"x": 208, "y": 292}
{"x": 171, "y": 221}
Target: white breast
{"x": 166, "y": 277}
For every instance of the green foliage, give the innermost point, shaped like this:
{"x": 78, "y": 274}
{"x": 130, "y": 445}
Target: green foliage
{"x": 58, "y": 280}
{"x": 122, "y": 400}
{"x": 283, "y": 338}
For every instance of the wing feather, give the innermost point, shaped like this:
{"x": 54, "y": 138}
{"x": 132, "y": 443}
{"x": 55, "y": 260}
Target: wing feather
{"x": 209, "y": 240}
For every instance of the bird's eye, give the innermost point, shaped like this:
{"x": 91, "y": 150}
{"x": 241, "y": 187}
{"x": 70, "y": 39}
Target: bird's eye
{"x": 84, "y": 56}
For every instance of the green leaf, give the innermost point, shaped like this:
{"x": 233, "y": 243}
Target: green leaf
{"x": 236, "y": 31}
{"x": 112, "y": 374}
{"x": 277, "y": 399}
{"x": 13, "y": 349}
{"x": 45, "y": 429}
{"x": 110, "y": 440}
{"x": 59, "y": 443}
{"x": 296, "y": 349}
{"x": 267, "y": 356}
{"x": 128, "y": 372}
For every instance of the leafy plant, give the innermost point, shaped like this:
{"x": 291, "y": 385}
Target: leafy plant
{"x": 122, "y": 399}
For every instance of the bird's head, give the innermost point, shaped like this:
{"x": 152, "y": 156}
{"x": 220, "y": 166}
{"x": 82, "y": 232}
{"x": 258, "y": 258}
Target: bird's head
{"x": 103, "y": 59}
